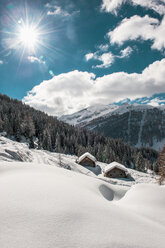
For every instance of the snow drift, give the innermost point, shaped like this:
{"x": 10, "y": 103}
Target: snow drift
{"x": 45, "y": 207}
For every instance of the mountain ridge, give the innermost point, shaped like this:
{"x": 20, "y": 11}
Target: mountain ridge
{"x": 137, "y": 124}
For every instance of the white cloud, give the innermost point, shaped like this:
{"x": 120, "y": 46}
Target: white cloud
{"x": 113, "y": 5}
{"x": 33, "y": 59}
{"x": 156, "y": 5}
{"x": 57, "y": 10}
{"x": 54, "y": 9}
{"x": 1, "y": 62}
{"x": 145, "y": 28}
{"x": 89, "y": 56}
{"x": 62, "y": 93}
{"x": 72, "y": 91}
{"x": 106, "y": 58}
{"x": 103, "y": 48}
{"x": 125, "y": 53}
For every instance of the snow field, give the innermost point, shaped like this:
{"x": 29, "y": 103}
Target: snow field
{"x": 45, "y": 207}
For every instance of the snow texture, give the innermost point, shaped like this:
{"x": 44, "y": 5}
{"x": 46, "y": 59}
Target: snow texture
{"x": 113, "y": 165}
{"x": 46, "y": 207}
{"x": 88, "y": 155}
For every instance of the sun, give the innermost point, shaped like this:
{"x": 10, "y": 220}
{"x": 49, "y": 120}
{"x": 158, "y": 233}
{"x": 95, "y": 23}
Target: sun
{"x": 28, "y": 33}
{"x": 28, "y": 36}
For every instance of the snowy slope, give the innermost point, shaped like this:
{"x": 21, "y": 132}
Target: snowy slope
{"x": 46, "y": 207}
{"x": 88, "y": 114}
{"x": 12, "y": 151}
{"x": 91, "y": 113}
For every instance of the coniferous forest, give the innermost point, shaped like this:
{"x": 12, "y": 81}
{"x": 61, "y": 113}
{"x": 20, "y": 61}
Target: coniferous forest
{"x": 46, "y": 132}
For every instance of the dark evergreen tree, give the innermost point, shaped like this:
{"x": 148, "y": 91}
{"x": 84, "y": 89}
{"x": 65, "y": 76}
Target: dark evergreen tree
{"x": 31, "y": 143}
{"x": 161, "y": 163}
{"x": 140, "y": 163}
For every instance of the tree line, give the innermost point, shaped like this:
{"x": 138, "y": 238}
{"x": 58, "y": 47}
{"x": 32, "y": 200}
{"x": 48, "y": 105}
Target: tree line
{"x": 46, "y": 132}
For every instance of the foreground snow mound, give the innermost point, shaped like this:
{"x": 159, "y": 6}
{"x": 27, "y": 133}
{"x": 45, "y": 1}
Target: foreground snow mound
{"x": 45, "y": 207}
{"x": 148, "y": 200}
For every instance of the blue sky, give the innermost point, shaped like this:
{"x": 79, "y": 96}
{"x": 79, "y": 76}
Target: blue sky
{"x": 87, "y": 52}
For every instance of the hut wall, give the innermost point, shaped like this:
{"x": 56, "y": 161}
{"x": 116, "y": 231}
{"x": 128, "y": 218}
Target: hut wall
{"x": 87, "y": 162}
{"x": 116, "y": 173}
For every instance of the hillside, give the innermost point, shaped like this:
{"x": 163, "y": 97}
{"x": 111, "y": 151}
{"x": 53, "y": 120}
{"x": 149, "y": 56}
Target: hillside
{"x": 21, "y": 122}
{"x": 12, "y": 151}
{"x": 137, "y": 124}
{"x": 45, "y": 206}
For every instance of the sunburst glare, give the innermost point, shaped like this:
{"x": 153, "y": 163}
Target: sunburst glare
{"x": 28, "y": 36}
{"x": 26, "y": 33}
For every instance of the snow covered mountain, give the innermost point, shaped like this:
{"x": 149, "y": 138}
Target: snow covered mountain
{"x": 137, "y": 124}
{"x": 86, "y": 115}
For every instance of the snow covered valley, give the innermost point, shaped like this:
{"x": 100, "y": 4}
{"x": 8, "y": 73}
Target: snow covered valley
{"x": 45, "y": 206}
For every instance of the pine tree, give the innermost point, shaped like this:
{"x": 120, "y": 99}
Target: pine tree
{"x": 161, "y": 163}
{"x": 140, "y": 163}
{"x": 46, "y": 143}
{"x": 1, "y": 124}
{"x": 58, "y": 143}
{"x": 27, "y": 126}
{"x": 60, "y": 160}
{"x": 31, "y": 143}
{"x": 155, "y": 167}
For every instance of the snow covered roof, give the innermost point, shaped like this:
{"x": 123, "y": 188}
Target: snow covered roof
{"x": 113, "y": 165}
{"x": 87, "y": 154}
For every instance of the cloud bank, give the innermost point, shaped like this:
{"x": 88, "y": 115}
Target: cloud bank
{"x": 114, "y": 5}
{"x": 145, "y": 28}
{"x": 72, "y": 91}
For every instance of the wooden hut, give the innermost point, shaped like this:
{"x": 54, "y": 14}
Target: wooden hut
{"x": 87, "y": 160}
{"x": 115, "y": 170}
